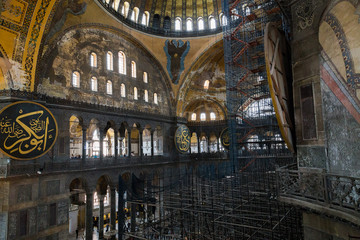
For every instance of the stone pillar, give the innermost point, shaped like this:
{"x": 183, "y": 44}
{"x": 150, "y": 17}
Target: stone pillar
{"x": 89, "y": 216}
{"x": 140, "y": 142}
{"x": 198, "y": 142}
{"x": 116, "y": 146}
{"x": 101, "y": 216}
{"x": 121, "y": 205}
{"x": 101, "y": 144}
{"x": 129, "y": 142}
{"x": 152, "y": 142}
{"x": 208, "y": 144}
{"x": 112, "y": 207}
{"x": 83, "y": 144}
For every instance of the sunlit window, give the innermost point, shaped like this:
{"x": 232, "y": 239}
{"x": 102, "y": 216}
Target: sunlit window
{"x": 246, "y": 9}
{"x": 223, "y": 19}
{"x": 93, "y": 60}
{"x": 122, "y": 90}
{"x": 193, "y": 117}
{"x": 109, "y": 87}
{"x": 212, "y": 22}
{"x": 93, "y": 84}
{"x": 145, "y": 77}
{"x": 145, "y": 18}
{"x": 115, "y": 4}
{"x": 234, "y": 14}
{"x": 146, "y": 96}
{"x": 133, "y": 69}
{"x": 109, "y": 60}
{"x": 135, "y": 14}
{"x": 189, "y": 24}
{"x": 135, "y": 93}
{"x": 76, "y": 79}
{"x": 206, "y": 84}
{"x": 178, "y": 24}
{"x": 202, "y": 117}
{"x": 125, "y": 9}
{"x": 212, "y": 116}
{"x": 122, "y": 62}
{"x": 200, "y": 23}
{"x": 155, "y": 98}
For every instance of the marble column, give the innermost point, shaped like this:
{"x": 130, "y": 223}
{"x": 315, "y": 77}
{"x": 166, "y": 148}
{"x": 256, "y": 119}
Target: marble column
{"x": 89, "y": 216}
{"x": 83, "y": 144}
{"x": 116, "y": 144}
{"x": 218, "y": 144}
{"x": 101, "y": 144}
{"x": 140, "y": 142}
{"x": 129, "y": 142}
{"x": 101, "y": 216}
{"x": 208, "y": 144}
{"x": 152, "y": 142}
{"x": 112, "y": 207}
{"x": 198, "y": 142}
{"x": 121, "y": 205}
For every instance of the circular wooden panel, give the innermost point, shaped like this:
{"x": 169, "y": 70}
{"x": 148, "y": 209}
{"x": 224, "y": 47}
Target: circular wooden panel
{"x": 275, "y": 55}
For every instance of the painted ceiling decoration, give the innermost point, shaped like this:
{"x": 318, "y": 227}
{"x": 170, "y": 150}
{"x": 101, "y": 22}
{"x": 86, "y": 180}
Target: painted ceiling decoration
{"x": 176, "y": 52}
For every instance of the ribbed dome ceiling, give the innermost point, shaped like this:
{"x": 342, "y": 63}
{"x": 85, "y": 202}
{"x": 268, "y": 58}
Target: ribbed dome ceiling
{"x": 162, "y": 16}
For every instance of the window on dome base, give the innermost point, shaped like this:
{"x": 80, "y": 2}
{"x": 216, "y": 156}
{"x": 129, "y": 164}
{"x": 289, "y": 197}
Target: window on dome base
{"x": 189, "y": 24}
{"x": 193, "y": 117}
{"x": 202, "y": 117}
{"x": 212, "y": 22}
{"x": 212, "y": 116}
{"x": 200, "y": 23}
{"x": 178, "y": 24}
{"x": 76, "y": 79}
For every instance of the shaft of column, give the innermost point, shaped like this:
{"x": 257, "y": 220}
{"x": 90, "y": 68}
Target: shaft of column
{"x": 89, "y": 216}
{"x": 101, "y": 216}
{"x": 112, "y": 208}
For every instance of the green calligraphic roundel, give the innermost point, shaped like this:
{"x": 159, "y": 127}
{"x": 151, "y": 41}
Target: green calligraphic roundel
{"x": 225, "y": 138}
{"x": 28, "y": 130}
{"x": 182, "y": 139}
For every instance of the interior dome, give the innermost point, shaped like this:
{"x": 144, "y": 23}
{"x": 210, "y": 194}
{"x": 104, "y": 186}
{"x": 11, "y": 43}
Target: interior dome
{"x": 169, "y": 18}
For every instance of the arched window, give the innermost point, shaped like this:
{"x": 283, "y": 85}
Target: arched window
{"x": 135, "y": 93}
{"x": 122, "y": 90}
{"x": 234, "y": 14}
{"x": 212, "y": 116}
{"x": 246, "y": 9}
{"x": 109, "y": 61}
{"x": 125, "y": 9}
{"x": 200, "y": 23}
{"x": 109, "y": 87}
{"x": 178, "y": 24}
{"x": 133, "y": 69}
{"x": 93, "y": 60}
{"x": 93, "y": 84}
{"x": 145, "y": 19}
{"x": 212, "y": 22}
{"x": 145, "y": 77}
{"x": 146, "y": 96}
{"x": 189, "y": 24}
{"x": 155, "y": 98}
{"x": 122, "y": 62}
{"x": 135, "y": 14}
{"x": 76, "y": 79}
{"x": 206, "y": 84}
{"x": 202, "y": 117}
{"x": 115, "y": 4}
{"x": 223, "y": 19}
{"x": 193, "y": 117}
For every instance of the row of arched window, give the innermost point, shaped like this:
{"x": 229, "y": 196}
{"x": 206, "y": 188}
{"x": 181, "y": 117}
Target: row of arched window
{"x": 203, "y": 116}
{"x": 109, "y": 87}
{"x": 135, "y": 13}
{"x": 121, "y": 61}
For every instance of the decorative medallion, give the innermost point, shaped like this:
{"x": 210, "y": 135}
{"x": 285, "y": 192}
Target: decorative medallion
{"x": 176, "y": 52}
{"x": 275, "y": 57}
{"x": 305, "y": 13}
{"x": 225, "y": 138}
{"x": 28, "y": 130}
{"x": 182, "y": 139}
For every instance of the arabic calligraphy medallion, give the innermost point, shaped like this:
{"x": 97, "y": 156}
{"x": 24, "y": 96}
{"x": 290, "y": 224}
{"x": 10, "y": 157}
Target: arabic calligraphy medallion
{"x": 225, "y": 138}
{"x": 28, "y": 130}
{"x": 182, "y": 139}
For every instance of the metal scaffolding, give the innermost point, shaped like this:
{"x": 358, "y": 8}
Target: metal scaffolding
{"x": 235, "y": 199}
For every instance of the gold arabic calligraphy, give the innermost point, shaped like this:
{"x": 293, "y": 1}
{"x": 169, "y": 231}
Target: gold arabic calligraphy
{"x": 183, "y": 139}
{"x": 29, "y": 132}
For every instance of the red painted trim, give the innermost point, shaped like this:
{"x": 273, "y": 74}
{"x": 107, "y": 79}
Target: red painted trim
{"x": 339, "y": 94}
